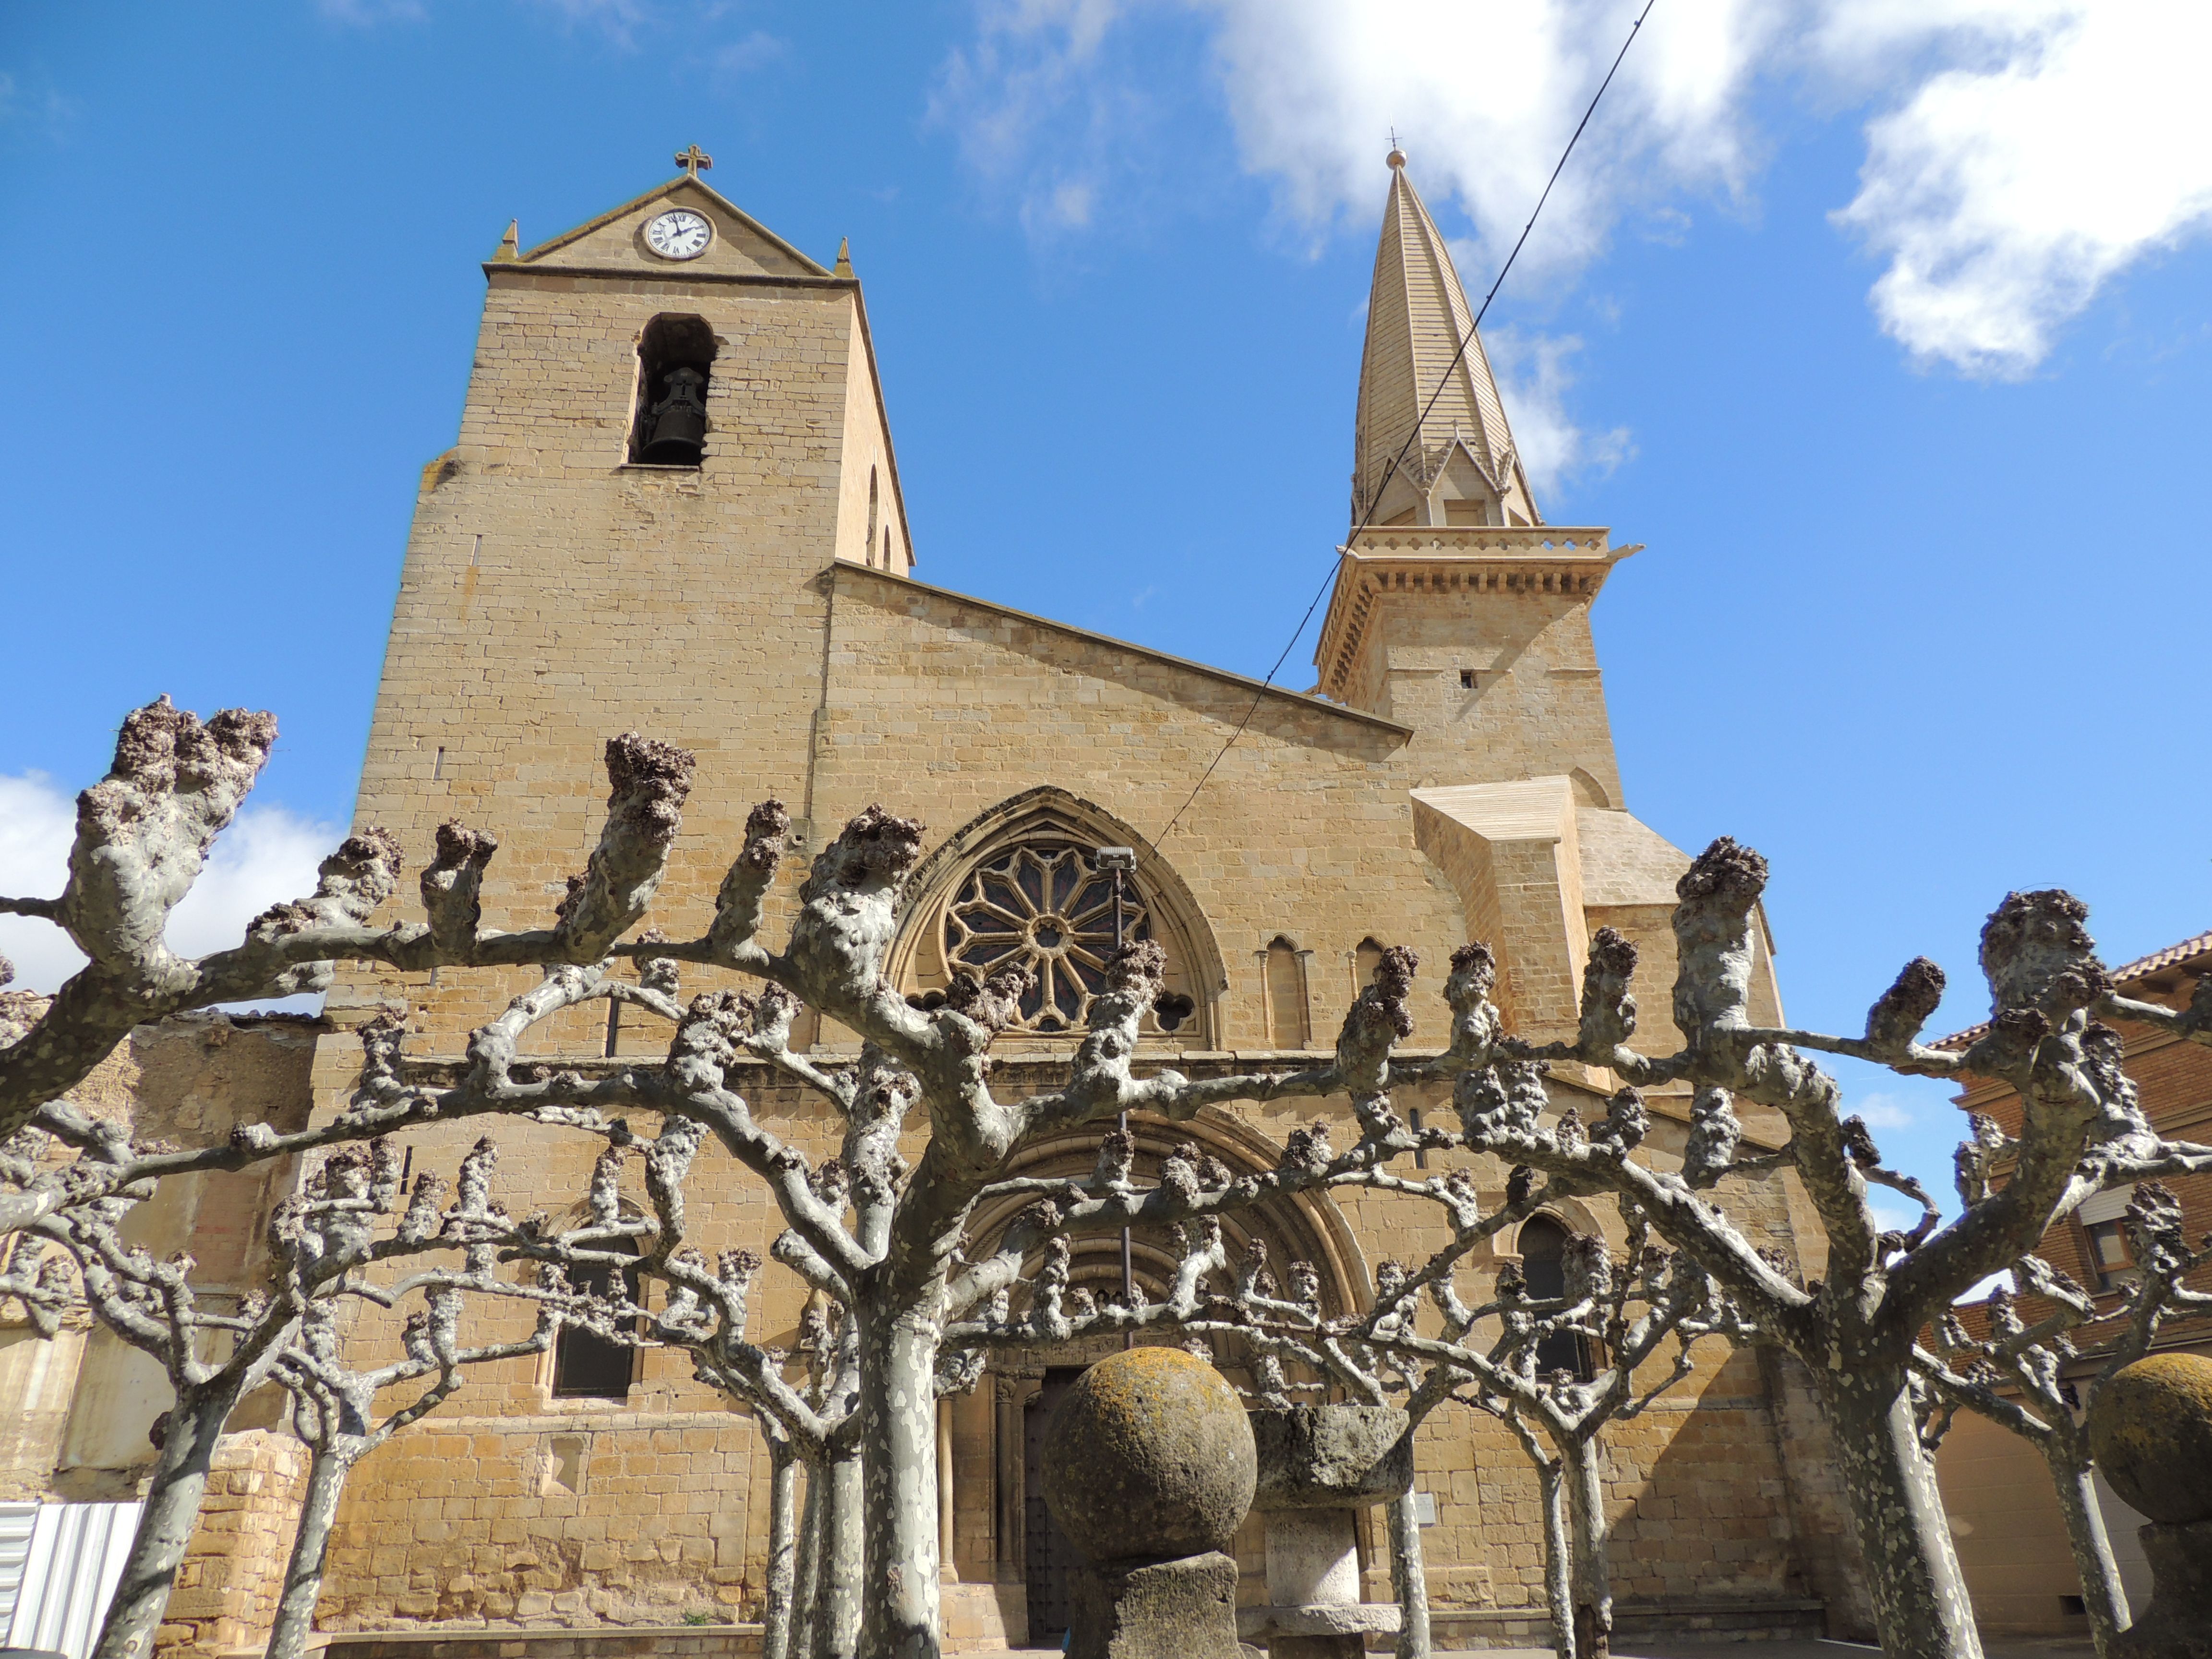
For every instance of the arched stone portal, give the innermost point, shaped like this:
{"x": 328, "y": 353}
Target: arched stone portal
{"x": 998, "y": 1536}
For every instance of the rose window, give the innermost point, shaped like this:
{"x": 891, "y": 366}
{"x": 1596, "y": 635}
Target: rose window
{"x": 1049, "y": 908}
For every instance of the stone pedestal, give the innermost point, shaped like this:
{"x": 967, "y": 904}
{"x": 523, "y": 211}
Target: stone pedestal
{"x": 1184, "y": 1608}
{"x": 1149, "y": 1468}
{"x": 1319, "y": 1466}
{"x": 2178, "y": 1623}
{"x": 2150, "y": 1429}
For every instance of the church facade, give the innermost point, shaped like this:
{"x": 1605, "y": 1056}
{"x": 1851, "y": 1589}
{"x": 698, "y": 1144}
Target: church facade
{"x": 674, "y": 506}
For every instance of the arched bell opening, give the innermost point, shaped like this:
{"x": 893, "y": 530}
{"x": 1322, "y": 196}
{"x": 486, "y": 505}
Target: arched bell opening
{"x": 1024, "y": 884}
{"x": 675, "y": 363}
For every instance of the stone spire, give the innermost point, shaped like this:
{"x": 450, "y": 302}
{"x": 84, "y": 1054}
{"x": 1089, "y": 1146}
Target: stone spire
{"x": 1463, "y": 469}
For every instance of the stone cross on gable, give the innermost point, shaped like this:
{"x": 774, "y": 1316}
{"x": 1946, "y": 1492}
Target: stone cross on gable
{"x": 694, "y": 161}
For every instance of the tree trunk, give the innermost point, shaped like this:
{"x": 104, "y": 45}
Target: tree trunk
{"x": 2101, "y": 1593}
{"x": 782, "y": 1564}
{"x": 1559, "y": 1558}
{"x": 1921, "y": 1609}
{"x": 173, "y": 1510}
{"x": 840, "y": 1557}
{"x": 898, "y": 1436}
{"x": 1583, "y": 1477}
{"x": 807, "y": 1575}
{"x": 303, "y": 1574}
{"x": 1408, "y": 1580}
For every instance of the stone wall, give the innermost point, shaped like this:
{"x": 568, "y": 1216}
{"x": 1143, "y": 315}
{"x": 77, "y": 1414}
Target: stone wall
{"x": 74, "y": 1411}
{"x": 640, "y": 1642}
{"x": 232, "y": 1572}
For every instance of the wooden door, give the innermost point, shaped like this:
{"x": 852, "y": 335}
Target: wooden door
{"x": 1048, "y": 1555}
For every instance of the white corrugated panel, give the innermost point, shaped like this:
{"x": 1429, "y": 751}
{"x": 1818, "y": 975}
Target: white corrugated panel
{"x": 70, "y": 1574}
{"x": 16, "y": 1521}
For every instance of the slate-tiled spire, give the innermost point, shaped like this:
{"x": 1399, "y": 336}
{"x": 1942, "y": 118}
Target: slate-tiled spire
{"x": 1417, "y": 315}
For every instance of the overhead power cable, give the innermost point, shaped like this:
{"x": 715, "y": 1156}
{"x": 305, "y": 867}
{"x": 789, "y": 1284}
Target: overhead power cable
{"x": 1390, "y": 471}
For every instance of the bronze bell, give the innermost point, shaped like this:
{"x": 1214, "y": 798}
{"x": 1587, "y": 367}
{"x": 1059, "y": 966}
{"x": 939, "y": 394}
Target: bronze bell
{"x": 675, "y": 432}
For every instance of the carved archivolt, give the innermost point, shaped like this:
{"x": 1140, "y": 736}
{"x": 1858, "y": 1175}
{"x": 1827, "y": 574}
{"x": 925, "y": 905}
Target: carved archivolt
{"x": 1020, "y": 884}
{"x": 1296, "y": 1227}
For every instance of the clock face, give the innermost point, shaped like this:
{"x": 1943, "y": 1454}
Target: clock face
{"x": 679, "y": 233}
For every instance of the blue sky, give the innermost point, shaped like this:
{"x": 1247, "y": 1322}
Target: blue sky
{"x": 1884, "y": 328}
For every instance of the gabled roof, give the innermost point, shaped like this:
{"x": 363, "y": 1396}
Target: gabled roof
{"x": 844, "y": 570}
{"x": 1417, "y": 315}
{"x": 686, "y": 190}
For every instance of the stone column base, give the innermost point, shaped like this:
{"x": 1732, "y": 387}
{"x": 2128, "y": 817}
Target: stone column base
{"x": 1179, "y": 1609}
{"x": 1338, "y": 1631}
{"x": 2178, "y": 1623}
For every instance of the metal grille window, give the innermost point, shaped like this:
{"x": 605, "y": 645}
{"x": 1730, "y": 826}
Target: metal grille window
{"x": 586, "y": 1366}
{"x": 1543, "y": 1251}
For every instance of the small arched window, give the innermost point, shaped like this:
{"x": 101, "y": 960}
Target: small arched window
{"x": 871, "y": 521}
{"x": 1288, "y": 1026}
{"x": 1364, "y": 961}
{"x": 887, "y": 547}
{"x": 586, "y": 1366}
{"x": 675, "y": 361}
{"x": 1543, "y": 1244}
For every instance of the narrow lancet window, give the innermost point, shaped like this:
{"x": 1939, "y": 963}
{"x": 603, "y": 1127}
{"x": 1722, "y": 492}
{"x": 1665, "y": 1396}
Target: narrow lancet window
{"x": 675, "y": 360}
{"x": 1286, "y": 995}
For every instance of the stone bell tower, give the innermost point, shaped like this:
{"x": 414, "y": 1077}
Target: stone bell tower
{"x": 672, "y": 429}
{"x": 1458, "y": 610}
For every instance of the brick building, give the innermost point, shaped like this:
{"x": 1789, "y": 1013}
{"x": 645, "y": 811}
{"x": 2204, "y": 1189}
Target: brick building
{"x": 2011, "y": 1538}
{"x": 674, "y": 506}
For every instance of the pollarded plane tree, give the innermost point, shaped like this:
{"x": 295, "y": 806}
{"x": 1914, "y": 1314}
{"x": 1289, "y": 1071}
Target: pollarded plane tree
{"x": 1855, "y": 1326}
{"x": 1619, "y": 1315}
{"x": 143, "y": 832}
{"x": 335, "y": 1410}
{"x": 804, "y": 1398}
{"x": 872, "y": 1233}
{"x": 1613, "y": 1318}
{"x": 811, "y": 1593}
{"x": 2044, "y": 1349}
{"x": 219, "y": 1344}
{"x": 1292, "y": 1346}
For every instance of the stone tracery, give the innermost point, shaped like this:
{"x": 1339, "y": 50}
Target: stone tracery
{"x": 1049, "y": 908}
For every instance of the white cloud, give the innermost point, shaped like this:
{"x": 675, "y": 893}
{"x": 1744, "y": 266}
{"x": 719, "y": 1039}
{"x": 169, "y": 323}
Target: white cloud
{"x": 37, "y": 822}
{"x": 2003, "y": 194}
{"x": 1883, "y": 1111}
{"x": 2020, "y": 153}
{"x": 1894, "y": 1218}
{"x": 368, "y": 13}
{"x": 755, "y": 51}
{"x": 1980, "y": 1288}
{"x": 1534, "y": 376}
{"x": 38, "y": 109}
{"x": 267, "y": 855}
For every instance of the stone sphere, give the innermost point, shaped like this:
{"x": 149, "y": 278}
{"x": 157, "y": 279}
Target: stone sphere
{"x": 1150, "y": 1457}
{"x": 2150, "y": 1431}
